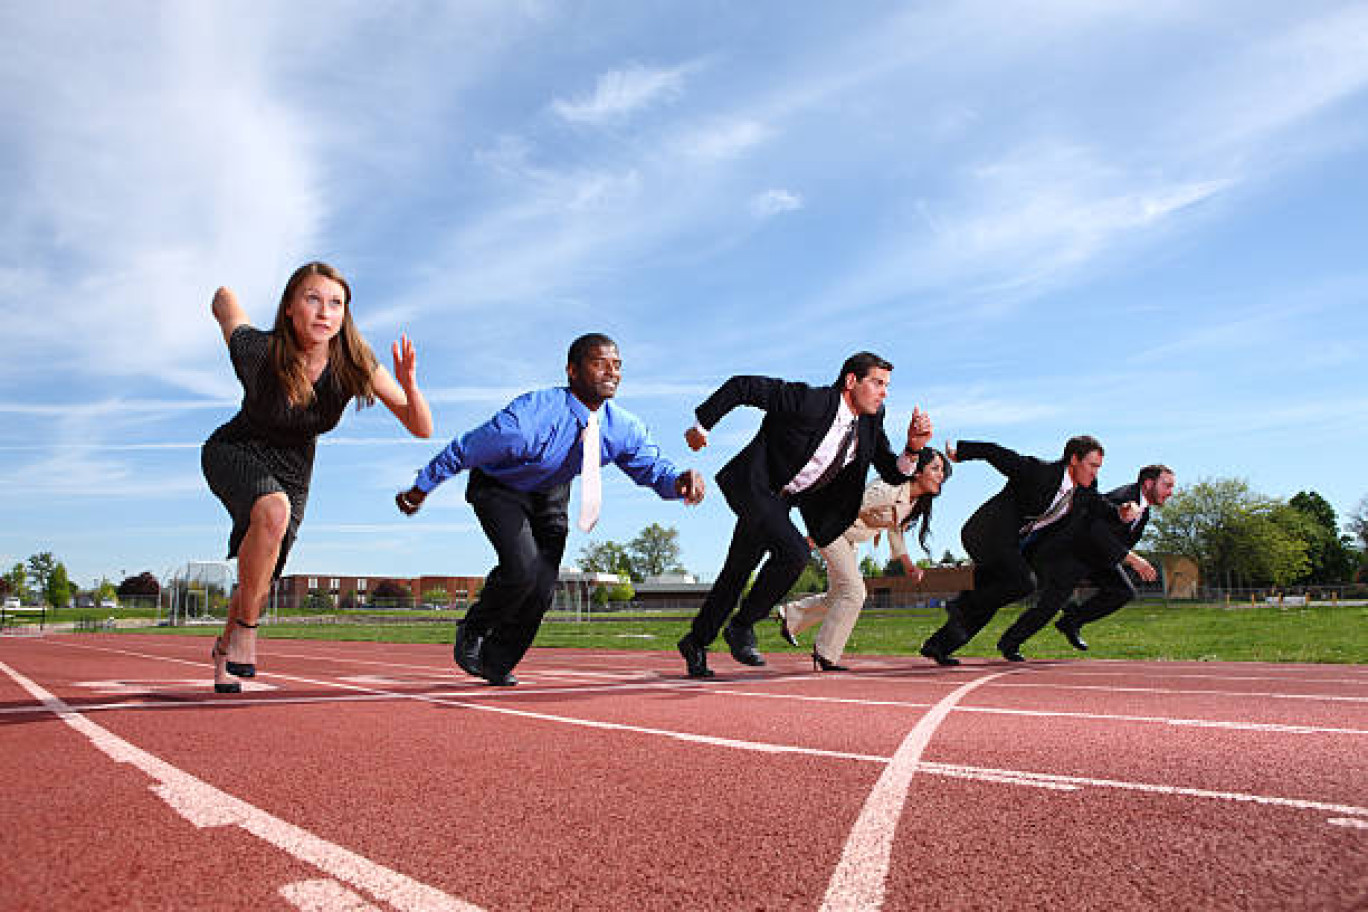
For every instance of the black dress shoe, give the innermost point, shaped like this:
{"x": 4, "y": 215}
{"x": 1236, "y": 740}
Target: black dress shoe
{"x": 784, "y": 628}
{"x": 1071, "y": 633}
{"x": 942, "y": 657}
{"x": 466, "y": 651}
{"x": 742, "y": 643}
{"x": 1010, "y": 651}
{"x": 504, "y": 679}
{"x": 695, "y": 657}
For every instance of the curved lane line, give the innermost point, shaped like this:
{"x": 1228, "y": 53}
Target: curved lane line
{"x": 859, "y": 880}
{"x": 206, "y": 806}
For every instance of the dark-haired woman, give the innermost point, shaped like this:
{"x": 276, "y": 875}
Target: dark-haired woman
{"x": 885, "y": 508}
{"x": 297, "y": 380}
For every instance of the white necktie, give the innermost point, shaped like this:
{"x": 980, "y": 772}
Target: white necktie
{"x": 591, "y": 485}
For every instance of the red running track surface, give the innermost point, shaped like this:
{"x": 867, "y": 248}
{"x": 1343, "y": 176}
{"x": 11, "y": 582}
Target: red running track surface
{"x": 378, "y": 776}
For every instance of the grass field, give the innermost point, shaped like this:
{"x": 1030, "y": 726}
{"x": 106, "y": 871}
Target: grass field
{"x": 1141, "y": 630}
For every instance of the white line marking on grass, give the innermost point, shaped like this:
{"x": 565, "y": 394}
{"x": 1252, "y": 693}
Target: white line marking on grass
{"x": 206, "y": 806}
{"x": 324, "y": 896}
{"x": 861, "y": 874}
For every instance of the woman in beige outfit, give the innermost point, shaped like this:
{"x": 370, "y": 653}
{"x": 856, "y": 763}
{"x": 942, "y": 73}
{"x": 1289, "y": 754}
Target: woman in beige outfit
{"x": 885, "y": 508}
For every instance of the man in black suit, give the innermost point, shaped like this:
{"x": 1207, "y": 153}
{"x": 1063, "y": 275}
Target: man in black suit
{"x": 1009, "y": 526}
{"x": 1091, "y": 550}
{"x": 813, "y": 451}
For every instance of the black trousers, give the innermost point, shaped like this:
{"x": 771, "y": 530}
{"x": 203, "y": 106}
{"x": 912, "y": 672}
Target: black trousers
{"x": 762, "y": 528}
{"x": 528, "y": 531}
{"x": 1001, "y": 577}
{"x": 1058, "y": 579}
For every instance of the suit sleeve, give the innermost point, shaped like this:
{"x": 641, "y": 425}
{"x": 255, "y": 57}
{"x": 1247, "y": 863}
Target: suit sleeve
{"x": 1008, "y": 462}
{"x": 1107, "y": 537}
{"x": 765, "y": 393}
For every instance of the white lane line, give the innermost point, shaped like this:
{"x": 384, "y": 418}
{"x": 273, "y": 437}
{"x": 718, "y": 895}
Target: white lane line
{"x": 1019, "y": 777}
{"x": 1351, "y": 822}
{"x": 1334, "y": 698}
{"x": 206, "y": 806}
{"x": 1062, "y": 714}
{"x": 324, "y": 896}
{"x": 1146, "y": 787}
{"x": 480, "y": 691}
{"x": 861, "y": 875}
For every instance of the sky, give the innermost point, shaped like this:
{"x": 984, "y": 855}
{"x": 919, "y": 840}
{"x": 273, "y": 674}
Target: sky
{"x": 1144, "y": 221}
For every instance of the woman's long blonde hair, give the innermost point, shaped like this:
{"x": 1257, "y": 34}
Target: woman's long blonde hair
{"x": 351, "y": 359}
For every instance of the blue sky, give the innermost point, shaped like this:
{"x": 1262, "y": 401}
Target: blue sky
{"x": 1144, "y": 221}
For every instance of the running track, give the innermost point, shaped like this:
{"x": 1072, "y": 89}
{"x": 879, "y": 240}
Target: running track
{"x": 376, "y": 776}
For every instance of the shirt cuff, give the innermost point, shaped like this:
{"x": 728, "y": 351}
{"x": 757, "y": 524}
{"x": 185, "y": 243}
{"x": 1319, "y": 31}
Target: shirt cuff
{"x": 907, "y": 462}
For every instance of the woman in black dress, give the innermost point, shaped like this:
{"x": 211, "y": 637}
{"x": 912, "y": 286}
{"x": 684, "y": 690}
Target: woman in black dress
{"x": 296, "y": 380}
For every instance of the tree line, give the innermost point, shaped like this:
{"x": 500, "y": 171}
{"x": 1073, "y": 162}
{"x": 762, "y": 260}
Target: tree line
{"x": 1242, "y": 539}
{"x": 44, "y": 579}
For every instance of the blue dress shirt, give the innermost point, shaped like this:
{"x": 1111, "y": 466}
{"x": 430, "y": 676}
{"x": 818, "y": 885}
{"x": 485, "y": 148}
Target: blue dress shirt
{"x": 533, "y": 444}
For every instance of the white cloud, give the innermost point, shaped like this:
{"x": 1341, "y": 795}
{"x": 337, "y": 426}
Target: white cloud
{"x": 773, "y": 202}
{"x": 620, "y": 93}
{"x": 723, "y": 140}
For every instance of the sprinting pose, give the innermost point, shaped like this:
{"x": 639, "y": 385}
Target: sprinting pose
{"x": 1002, "y": 534}
{"x": 1097, "y": 553}
{"x": 886, "y": 508}
{"x": 296, "y": 379}
{"x": 521, "y": 463}
{"x": 813, "y": 451}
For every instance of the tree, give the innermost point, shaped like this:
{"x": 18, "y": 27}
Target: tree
{"x": 1332, "y": 556}
{"x": 1235, "y": 536}
{"x": 870, "y": 567}
{"x": 621, "y": 592}
{"x": 350, "y": 601}
{"x": 105, "y": 590}
{"x": 1358, "y": 522}
{"x": 6, "y": 587}
{"x": 436, "y": 596}
{"x": 18, "y": 580}
{"x": 41, "y": 566}
{"x": 318, "y": 600}
{"x": 605, "y": 557}
{"x": 655, "y": 551}
{"x": 390, "y": 591}
{"x": 57, "y": 591}
{"x": 144, "y": 584}
{"x": 813, "y": 578}
{"x": 894, "y": 567}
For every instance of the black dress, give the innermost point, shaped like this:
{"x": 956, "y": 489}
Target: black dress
{"x": 268, "y": 446}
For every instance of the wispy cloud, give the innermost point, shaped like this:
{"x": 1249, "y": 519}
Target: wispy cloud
{"x": 620, "y": 93}
{"x": 774, "y": 202}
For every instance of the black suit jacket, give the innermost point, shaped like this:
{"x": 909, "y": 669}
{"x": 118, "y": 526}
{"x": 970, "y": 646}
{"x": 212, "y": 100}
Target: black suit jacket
{"x": 1108, "y": 537}
{"x": 797, "y": 417}
{"x": 1030, "y": 489}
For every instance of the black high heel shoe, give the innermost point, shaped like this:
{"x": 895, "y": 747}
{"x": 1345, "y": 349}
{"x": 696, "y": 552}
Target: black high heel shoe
{"x": 820, "y": 663}
{"x": 243, "y": 669}
{"x": 223, "y": 687}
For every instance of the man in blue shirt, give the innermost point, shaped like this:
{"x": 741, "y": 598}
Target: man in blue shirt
{"x": 521, "y": 463}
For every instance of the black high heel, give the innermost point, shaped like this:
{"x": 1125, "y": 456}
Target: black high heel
{"x": 223, "y": 687}
{"x": 243, "y": 669}
{"x": 820, "y": 663}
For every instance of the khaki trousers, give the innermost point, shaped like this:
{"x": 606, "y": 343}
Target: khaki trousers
{"x": 838, "y": 608}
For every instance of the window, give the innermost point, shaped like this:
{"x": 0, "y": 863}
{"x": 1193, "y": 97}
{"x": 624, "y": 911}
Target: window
{"x": 313, "y": 582}
{"x": 334, "y": 584}
{"x": 361, "y": 585}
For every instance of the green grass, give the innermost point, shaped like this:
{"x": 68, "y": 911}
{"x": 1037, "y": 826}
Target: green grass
{"x": 1141, "y": 630}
